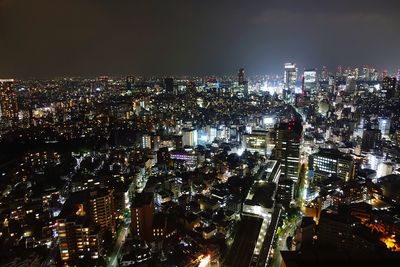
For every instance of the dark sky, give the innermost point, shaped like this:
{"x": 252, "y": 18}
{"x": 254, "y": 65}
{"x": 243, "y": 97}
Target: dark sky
{"x": 46, "y": 38}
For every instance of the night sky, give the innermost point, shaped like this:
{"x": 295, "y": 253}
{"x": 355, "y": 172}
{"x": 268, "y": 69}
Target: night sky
{"x": 47, "y": 38}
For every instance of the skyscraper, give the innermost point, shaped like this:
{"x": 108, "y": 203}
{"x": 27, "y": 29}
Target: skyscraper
{"x": 189, "y": 137}
{"x": 8, "y": 100}
{"x": 388, "y": 87}
{"x": 80, "y": 225}
{"x": 326, "y": 162}
{"x": 289, "y": 79}
{"x": 370, "y": 139}
{"x": 309, "y": 82}
{"x": 287, "y": 148}
{"x": 243, "y": 82}
{"x": 241, "y": 77}
{"x": 130, "y": 81}
{"x": 142, "y": 214}
{"x": 169, "y": 85}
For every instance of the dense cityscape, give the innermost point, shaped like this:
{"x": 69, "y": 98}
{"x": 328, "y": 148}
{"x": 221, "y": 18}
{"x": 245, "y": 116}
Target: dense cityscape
{"x": 296, "y": 169}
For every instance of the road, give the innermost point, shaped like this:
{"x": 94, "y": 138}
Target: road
{"x": 244, "y": 243}
{"x": 281, "y": 245}
{"x": 117, "y": 247}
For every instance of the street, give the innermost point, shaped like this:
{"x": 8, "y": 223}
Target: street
{"x": 113, "y": 262}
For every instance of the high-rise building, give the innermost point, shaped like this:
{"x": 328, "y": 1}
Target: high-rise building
{"x": 8, "y": 100}
{"x": 130, "y": 81}
{"x": 324, "y": 74}
{"x": 169, "y": 85}
{"x": 189, "y": 137}
{"x": 384, "y": 126}
{"x": 287, "y": 148}
{"x": 397, "y": 137}
{"x": 285, "y": 192}
{"x": 146, "y": 141}
{"x": 142, "y": 215}
{"x": 310, "y": 82}
{"x": 289, "y": 79}
{"x": 80, "y": 225}
{"x": 370, "y": 139}
{"x": 327, "y": 162}
{"x": 241, "y": 77}
{"x": 388, "y": 87}
{"x": 101, "y": 208}
{"x": 242, "y": 81}
{"x": 257, "y": 141}
{"x": 78, "y": 237}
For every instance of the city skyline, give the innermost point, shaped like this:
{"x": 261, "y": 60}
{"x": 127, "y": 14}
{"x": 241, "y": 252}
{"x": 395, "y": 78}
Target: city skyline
{"x": 201, "y": 133}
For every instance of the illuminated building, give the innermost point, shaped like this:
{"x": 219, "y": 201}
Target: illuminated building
{"x": 324, "y": 74}
{"x": 241, "y": 77}
{"x": 287, "y": 148}
{"x": 146, "y": 141}
{"x": 285, "y": 192}
{"x": 268, "y": 122}
{"x": 8, "y": 100}
{"x": 309, "y": 82}
{"x": 142, "y": 214}
{"x": 83, "y": 220}
{"x": 101, "y": 209}
{"x": 330, "y": 161}
{"x": 130, "y": 81}
{"x": 188, "y": 156}
{"x": 397, "y": 137}
{"x": 159, "y": 226}
{"x": 242, "y": 82}
{"x": 103, "y": 83}
{"x": 384, "y": 126}
{"x": 388, "y": 87}
{"x": 260, "y": 201}
{"x": 289, "y": 79}
{"x": 256, "y": 142}
{"x": 78, "y": 237}
{"x": 189, "y": 137}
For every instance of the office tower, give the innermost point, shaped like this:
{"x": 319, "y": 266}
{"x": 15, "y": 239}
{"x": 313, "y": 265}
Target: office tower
{"x": 8, "y": 100}
{"x": 287, "y": 148}
{"x": 310, "y": 82}
{"x": 169, "y": 85}
{"x": 241, "y": 77}
{"x": 146, "y": 141}
{"x": 388, "y": 87}
{"x": 243, "y": 82}
{"x": 327, "y": 162}
{"x": 103, "y": 83}
{"x": 257, "y": 141}
{"x": 86, "y": 216}
{"x": 384, "y": 126}
{"x": 191, "y": 87}
{"x": 189, "y": 137}
{"x": 285, "y": 192}
{"x": 370, "y": 139}
{"x": 142, "y": 213}
{"x": 324, "y": 74}
{"x": 289, "y": 79}
{"x": 130, "y": 81}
